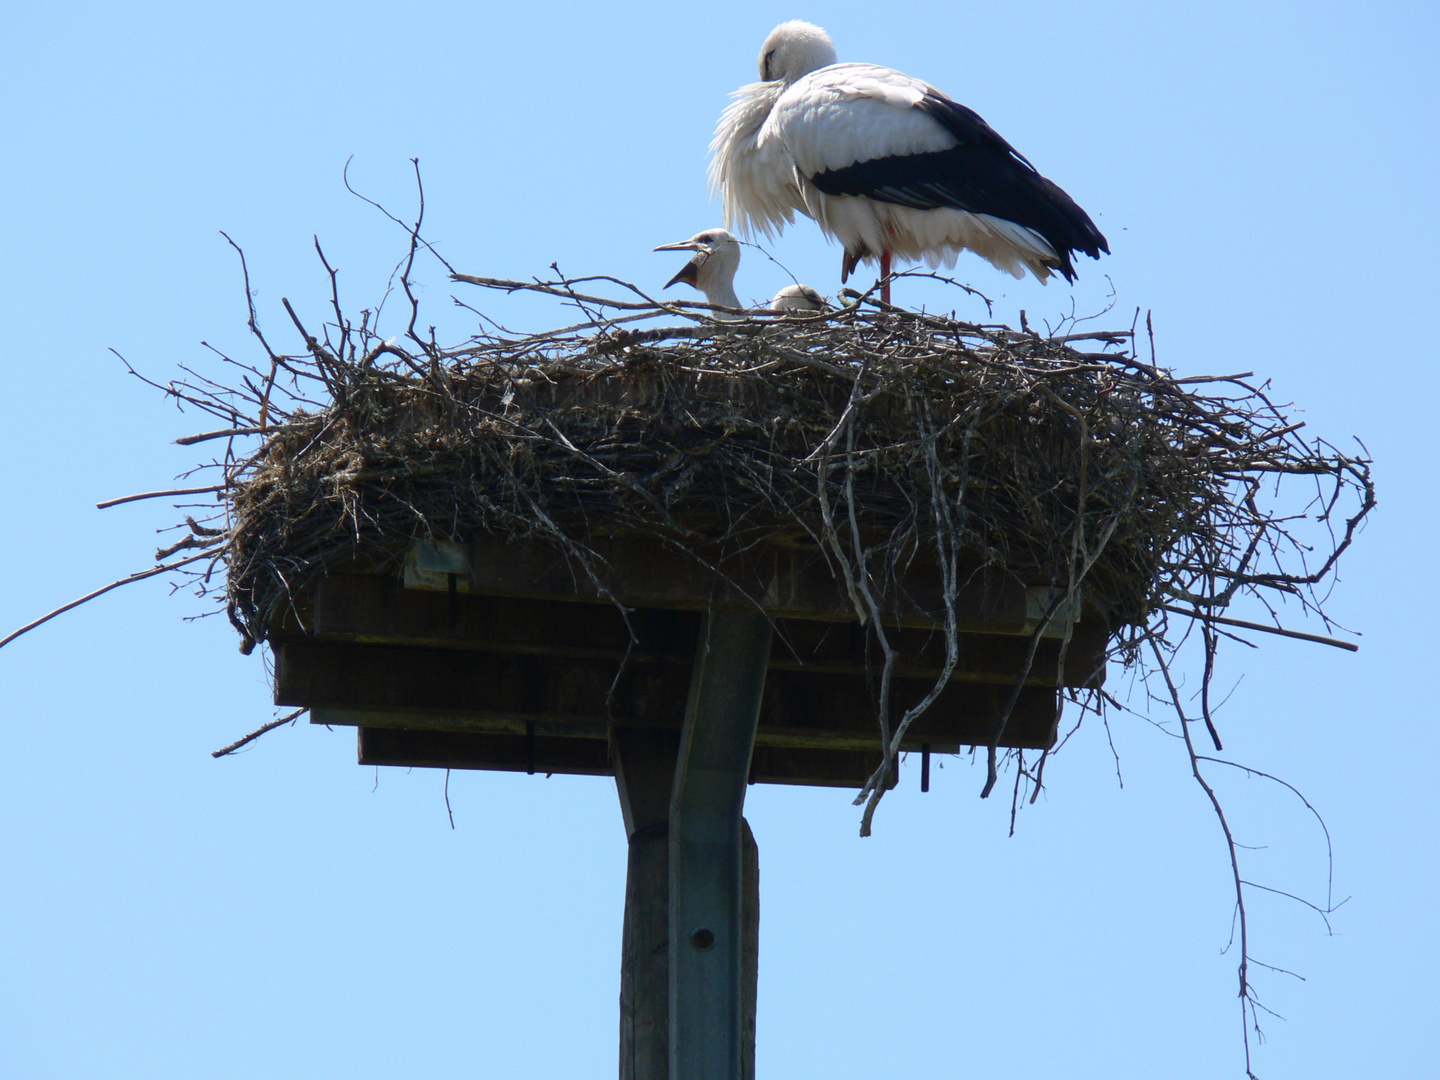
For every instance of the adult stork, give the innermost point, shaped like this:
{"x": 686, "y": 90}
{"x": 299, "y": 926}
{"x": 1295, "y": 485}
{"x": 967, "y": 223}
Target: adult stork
{"x": 887, "y": 165}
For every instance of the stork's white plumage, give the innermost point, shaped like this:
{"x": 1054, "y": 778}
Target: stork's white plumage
{"x": 885, "y": 164}
{"x": 798, "y": 298}
{"x": 712, "y": 269}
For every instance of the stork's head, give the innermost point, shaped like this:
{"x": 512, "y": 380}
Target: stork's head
{"x": 794, "y": 49}
{"x": 712, "y": 270}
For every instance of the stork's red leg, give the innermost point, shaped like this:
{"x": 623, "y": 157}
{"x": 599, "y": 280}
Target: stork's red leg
{"x": 885, "y": 278}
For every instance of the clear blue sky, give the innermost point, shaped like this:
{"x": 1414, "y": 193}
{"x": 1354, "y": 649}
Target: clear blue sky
{"x": 1266, "y": 177}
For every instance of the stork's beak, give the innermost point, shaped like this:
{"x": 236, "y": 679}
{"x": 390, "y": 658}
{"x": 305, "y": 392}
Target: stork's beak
{"x": 689, "y": 273}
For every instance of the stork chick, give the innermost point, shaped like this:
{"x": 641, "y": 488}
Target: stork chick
{"x": 798, "y": 298}
{"x": 712, "y": 269}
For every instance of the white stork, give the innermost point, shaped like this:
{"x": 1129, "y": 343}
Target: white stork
{"x": 887, "y": 165}
{"x": 797, "y": 298}
{"x": 712, "y": 271}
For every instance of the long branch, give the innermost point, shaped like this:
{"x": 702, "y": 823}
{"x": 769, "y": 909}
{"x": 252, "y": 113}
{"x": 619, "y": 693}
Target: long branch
{"x": 140, "y": 576}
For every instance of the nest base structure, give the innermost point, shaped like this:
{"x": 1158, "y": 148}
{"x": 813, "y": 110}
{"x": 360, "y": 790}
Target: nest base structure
{"x": 511, "y": 660}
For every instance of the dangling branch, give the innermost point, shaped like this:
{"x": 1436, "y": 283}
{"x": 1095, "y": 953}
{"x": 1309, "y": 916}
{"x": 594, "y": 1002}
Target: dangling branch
{"x": 288, "y": 718}
{"x": 154, "y": 571}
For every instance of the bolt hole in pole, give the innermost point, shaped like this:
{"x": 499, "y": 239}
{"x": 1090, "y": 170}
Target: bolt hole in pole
{"x": 702, "y": 938}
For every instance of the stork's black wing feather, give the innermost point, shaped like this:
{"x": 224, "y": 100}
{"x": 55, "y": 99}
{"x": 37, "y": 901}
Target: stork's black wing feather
{"x": 982, "y": 174}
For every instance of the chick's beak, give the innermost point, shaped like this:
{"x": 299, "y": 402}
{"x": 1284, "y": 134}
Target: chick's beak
{"x": 689, "y": 273}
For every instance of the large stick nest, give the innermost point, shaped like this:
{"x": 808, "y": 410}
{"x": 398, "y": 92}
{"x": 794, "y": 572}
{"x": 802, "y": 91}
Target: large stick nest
{"x": 1074, "y": 469}
{"x": 875, "y": 436}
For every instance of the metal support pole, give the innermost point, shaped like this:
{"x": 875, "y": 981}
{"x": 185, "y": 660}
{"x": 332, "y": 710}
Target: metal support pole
{"x": 716, "y": 742}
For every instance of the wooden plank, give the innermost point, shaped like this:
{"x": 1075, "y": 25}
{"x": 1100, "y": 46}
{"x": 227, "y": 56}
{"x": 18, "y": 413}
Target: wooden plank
{"x": 1029, "y": 731}
{"x": 849, "y": 648}
{"x": 525, "y": 687}
{"x": 460, "y": 689}
{"x": 814, "y": 767}
{"x": 464, "y": 750}
{"x": 367, "y": 608}
{"x": 839, "y": 711}
{"x": 808, "y": 767}
{"x": 790, "y": 581}
{"x": 451, "y": 720}
{"x": 588, "y": 757}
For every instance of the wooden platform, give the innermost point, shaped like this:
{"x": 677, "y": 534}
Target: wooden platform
{"x": 501, "y": 659}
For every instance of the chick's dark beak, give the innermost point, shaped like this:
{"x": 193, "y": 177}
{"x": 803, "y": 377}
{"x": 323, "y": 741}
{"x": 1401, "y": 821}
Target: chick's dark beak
{"x": 689, "y": 273}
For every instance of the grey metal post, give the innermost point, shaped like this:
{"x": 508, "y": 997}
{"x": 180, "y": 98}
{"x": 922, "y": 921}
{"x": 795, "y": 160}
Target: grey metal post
{"x": 716, "y": 741}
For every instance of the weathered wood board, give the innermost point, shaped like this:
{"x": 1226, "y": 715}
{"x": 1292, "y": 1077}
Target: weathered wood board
{"x": 462, "y": 679}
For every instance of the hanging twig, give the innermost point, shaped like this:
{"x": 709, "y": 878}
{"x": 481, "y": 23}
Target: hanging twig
{"x": 211, "y": 489}
{"x": 288, "y": 718}
{"x": 1319, "y": 639}
{"x": 154, "y": 571}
